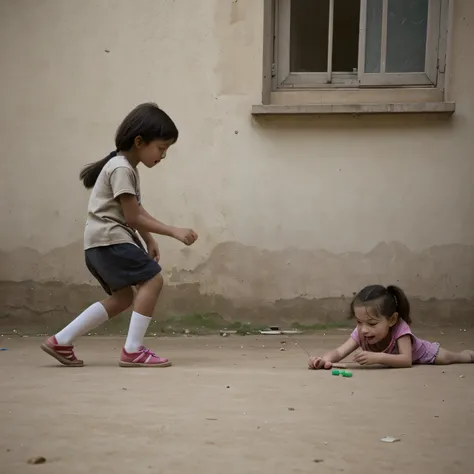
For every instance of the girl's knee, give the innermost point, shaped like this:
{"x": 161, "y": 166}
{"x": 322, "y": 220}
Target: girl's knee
{"x": 159, "y": 279}
{"x": 156, "y": 282}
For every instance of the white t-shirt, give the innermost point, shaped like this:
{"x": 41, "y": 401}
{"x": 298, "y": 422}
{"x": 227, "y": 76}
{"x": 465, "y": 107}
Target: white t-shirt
{"x": 105, "y": 219}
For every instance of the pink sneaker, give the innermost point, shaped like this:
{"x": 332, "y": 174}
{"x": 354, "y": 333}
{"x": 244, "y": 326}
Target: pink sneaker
{"x": 63, "y": 354}
{"x": 142, "y": 358}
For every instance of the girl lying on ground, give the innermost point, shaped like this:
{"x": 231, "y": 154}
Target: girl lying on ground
{"x": 384, "y": 335}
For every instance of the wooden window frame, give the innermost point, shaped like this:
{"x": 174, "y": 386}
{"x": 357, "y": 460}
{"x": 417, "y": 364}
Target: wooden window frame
{"x": 284, "y": 89}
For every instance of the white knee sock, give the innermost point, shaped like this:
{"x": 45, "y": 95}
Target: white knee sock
{"x": 89, "y": 319}
{"x": 136, "y": 332}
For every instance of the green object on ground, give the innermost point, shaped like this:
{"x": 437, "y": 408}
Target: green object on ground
{"x": 335, "y": 372}
{"x": 347, "y": 374}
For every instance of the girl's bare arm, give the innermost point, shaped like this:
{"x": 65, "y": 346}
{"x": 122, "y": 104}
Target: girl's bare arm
{"x": 143, "y": 222}
{"x": 336, "y": 355}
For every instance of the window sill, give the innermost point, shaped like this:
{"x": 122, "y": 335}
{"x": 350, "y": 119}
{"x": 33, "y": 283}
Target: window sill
{"x": 446, "y": 108}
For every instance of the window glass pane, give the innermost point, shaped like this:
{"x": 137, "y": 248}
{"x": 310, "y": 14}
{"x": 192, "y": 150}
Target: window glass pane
{"x": 406, "y": 35}
{"x": 373, "y": 39}
{"x": 309, "y": 35}
{"x": 345, "y": 55}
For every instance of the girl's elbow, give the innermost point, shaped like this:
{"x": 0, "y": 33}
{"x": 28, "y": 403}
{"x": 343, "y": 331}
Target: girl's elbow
{"x": 132, "y": 223}
{"x": 131, "y": 220}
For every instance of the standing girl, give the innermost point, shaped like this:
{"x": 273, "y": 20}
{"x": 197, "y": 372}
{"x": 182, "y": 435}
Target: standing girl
{"x": 113, "y": 251}
{"x": 384, "y": 335}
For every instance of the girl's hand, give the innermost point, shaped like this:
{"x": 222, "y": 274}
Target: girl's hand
{"x": 366, "y": 358}
{"x": 318, "y": 363}
{"x": 187, "y": 236}
{"x": 153, "y": 250}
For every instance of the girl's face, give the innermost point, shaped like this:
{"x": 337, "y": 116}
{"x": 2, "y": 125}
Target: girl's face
{"x": 372, "y": 327}
{"x": 150, "y": 154}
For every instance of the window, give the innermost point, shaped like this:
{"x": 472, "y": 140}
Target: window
{"x": 357, "y": 43}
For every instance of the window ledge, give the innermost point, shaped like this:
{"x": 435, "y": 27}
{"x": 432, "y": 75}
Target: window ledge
{"x": 446, "y": 108}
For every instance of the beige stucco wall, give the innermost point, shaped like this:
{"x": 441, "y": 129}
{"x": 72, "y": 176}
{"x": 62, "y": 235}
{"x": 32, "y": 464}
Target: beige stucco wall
{"x": 289, "y": 210}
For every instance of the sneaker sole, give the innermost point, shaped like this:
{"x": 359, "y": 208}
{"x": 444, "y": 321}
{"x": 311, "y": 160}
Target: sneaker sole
{"x": 63, "y": 360}
{"x": 134, "y": 364}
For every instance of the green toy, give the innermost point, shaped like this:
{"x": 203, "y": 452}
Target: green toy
{"x": 341, "y": 372}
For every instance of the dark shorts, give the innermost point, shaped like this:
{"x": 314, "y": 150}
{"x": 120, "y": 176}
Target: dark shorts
{"x": 119, "y": 266}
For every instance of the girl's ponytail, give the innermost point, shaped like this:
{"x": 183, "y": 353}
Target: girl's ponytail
{"x": 401, "y": 302}
{"x": 91, "y": 172}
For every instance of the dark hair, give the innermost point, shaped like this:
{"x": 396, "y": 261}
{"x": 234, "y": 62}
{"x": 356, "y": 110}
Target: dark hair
{"x": 385, "y": 301}
{"x": 147, "y": 121}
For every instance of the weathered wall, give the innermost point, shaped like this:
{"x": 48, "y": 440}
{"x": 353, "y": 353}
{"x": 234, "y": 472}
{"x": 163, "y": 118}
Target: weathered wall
{"x": 294, "y": 214}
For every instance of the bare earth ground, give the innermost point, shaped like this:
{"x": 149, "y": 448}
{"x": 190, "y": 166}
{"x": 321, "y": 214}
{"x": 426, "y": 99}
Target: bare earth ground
{"x": 224, "y": 408}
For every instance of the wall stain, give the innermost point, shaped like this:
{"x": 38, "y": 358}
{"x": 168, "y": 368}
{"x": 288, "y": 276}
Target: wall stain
{"x": 248, "y": 273}
{"x": 247, "y": 284}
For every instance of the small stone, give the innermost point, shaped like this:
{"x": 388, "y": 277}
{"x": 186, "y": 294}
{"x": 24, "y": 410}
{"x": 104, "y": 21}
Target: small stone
{"x": 282, "y": 349}
{"x": 317, "y": 461}
{"x": 186, "y": 331}
{"x": 461, "y": 376}
{"x": 37, "y": 460}
{"x": 389, "y": 439}
{"x": 224, "y": 335}
{"x": 124, "y": 388}
{"x": 291, "y": 409}
{"x": 228, "y": 386}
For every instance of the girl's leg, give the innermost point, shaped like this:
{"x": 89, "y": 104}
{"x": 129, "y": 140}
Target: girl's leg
{"x": 145, "y": 302}
{"x": 446, "y": 357}
{"x": 60, "y": 346}
{"x": 134, "y": 354}
{"x": 95, "y": 315}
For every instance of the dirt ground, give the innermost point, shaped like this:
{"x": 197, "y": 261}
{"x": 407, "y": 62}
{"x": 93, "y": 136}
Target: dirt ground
{"x": 232, "y": 405}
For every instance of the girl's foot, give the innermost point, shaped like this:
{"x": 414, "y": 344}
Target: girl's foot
{"x": 142, "y": 358}
{"x": 63, "y": 354}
